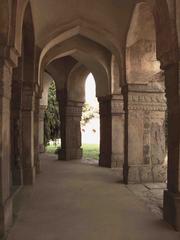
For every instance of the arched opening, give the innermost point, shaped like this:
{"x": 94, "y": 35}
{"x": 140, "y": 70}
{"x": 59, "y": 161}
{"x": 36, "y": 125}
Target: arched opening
{"x": 146, "y": 155}
{"x": 49, "y": 131}
{"x": 90, "y": 123}
{"x": 71, "y": 97}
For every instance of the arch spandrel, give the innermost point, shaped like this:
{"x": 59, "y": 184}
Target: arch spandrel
{"x": 76, "y": 83}
{"x": 141, "y": 60}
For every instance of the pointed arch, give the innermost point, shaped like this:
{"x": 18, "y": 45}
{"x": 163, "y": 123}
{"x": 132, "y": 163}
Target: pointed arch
{"x": 95, "y": 57}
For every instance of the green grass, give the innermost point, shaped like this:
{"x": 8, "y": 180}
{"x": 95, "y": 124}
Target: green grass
{"x": 51, "y": 148}
{"x": 90, "y": 151}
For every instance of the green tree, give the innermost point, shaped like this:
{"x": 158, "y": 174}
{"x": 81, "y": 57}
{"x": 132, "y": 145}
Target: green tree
{"x": 51, "y": 118}
{"x": 88, "y": 112}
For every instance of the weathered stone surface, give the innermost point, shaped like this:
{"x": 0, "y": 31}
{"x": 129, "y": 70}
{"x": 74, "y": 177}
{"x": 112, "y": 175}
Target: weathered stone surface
{"x": 146, "y": 134}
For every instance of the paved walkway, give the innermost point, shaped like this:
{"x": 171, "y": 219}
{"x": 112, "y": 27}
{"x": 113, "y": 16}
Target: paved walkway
{"x": 75, "y": 201}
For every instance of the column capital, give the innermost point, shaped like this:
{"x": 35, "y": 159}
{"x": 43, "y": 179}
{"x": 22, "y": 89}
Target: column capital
{"x": 74, "y": 108}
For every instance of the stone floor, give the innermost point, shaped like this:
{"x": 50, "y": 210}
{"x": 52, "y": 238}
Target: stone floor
{"x": 78, "y": 201}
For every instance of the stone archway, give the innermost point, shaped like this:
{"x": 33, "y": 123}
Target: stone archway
{"x": 98, "y": 60}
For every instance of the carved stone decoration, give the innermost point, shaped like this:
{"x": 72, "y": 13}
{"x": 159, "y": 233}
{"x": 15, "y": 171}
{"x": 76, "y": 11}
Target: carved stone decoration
{"x": 71, "y": 137}
{"x": 146, "y": 143}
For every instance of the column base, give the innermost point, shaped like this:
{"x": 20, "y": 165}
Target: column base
{"x": 6, "y": 213}
{"x": 17, "y": 177}
{"x": 105, "y": 160}
{"x": 111, "y": 161}
{"x": 70, "y": 154}
{"x": 171, "y": 211}
{"x": 41, "y": 148}
{"x": 61, "y": 154}
{"x": 29, "y": 175}
{"x": 38, "y": 167}
{"x": 117, "y": 160}
{"x": 147, "y": 173}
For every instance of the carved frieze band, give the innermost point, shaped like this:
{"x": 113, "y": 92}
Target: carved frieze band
{"x": 151, "y": 101}
{"x": 117, "y": 107}
{"x": 73, "y": 111}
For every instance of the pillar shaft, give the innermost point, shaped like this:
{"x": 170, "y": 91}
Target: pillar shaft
{"x": 16, "y": 121}
{"x": 41, "y": 128}
{"x": 71, "y": 131}
{"x": 105, "y": 131}
{"x": 172, "y": 195}
{"x": 36, "y": 134}
{"x": 28, "y": 136}
{"x": 5, "y": 143}
{"x": 111, "y": 131}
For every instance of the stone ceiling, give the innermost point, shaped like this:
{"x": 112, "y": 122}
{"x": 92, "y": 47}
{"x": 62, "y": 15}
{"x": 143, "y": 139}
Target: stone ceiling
{"x": 110, "y": 15}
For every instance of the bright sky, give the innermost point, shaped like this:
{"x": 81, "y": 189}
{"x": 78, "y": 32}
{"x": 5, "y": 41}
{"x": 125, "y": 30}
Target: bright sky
{"x": 90, "y": 91}
{"x": 91, "y": 130}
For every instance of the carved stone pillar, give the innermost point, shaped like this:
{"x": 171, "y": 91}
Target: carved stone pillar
{"x": 28, "y": 135}
{"x": 5, "y": 146}
{"x": 172, "y": 195}
{"x": 36, "y": 134}
{"x": 111, "y": 131}
{"x": 71, "y": 135}
{"x": 16, "y": 122}
{"x": 145, "y": 134}
{"x": 42, "y": 109}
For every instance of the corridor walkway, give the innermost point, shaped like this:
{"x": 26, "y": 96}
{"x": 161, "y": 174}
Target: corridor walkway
{"x": 75, "y": 201}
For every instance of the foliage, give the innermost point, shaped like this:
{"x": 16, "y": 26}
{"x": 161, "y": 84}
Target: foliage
{"x": 52, "y": 118}
{"x": 88, "y": 112}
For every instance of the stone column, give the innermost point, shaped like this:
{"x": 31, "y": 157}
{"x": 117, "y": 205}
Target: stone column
{"x": 71, "y": 135}
{"x": 5, "y": 146}
{"x": 172, "y": 194}
{"x": 16, "y": 136}
{"x": 117, "y": 118}
{"x": 62, "y": 99}
{"x": 105, "y": 131}
{"x": 28, "y": 135}
{"x": 145, "y": 150}
{"x": 111, "y": 131}
{"x": 42, "y": 109}
{"x": 36, "y": 134}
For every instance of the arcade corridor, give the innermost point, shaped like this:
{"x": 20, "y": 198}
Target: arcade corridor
{"x": 132, "y": 48}
{"x": 75, "y": 201}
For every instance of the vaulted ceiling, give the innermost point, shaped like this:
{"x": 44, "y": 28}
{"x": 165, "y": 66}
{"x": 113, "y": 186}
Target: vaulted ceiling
{"x": 51, "y": 16}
